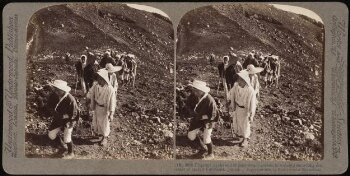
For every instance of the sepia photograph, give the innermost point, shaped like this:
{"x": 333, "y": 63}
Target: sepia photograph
{"x": 179, "y": 88}
{"x": 249, "y": 83}
{"x": 100, "y": 82}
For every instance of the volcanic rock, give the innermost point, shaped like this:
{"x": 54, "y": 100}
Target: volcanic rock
{"x": 168, "y": 134}
{"x": 294, "y": 113}
{"x": 285, "y": 118}
{"x": 309, "y": 136}
{"x": 298, "y": 121}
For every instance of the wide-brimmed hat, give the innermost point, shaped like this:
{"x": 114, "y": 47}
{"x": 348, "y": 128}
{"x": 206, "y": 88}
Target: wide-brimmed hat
{"x": 245, "y": 76}
{"x": 111, "y": 68}
{"x": 104, "y": 74}
{"x": 252, "y": 70}
{"x": 200, "y": 85}
{"x": 60, "y": 84}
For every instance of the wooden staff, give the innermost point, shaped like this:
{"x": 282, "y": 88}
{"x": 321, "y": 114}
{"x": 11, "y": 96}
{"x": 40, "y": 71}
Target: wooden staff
{"x": 225, "y": 88}
{"x": 76, "y": 83}
{"x": 91, "y": 127}
{"x": 227, "y": 105}
{"x": 217, "y": 90}
{"x": 133, "y": 82}
{"x": 232, "y": 131}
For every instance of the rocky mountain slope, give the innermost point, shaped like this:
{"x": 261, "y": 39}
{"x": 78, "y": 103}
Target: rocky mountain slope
{"x": 144, "y": 117}
{"x": 288, "y": 123}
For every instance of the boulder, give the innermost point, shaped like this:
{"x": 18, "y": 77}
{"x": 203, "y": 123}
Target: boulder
{"x": 182, "y": 126}
{"x": 285, "y": 118}
{"x": 286, "y": 152}
{"x": 134, "y": 114}
{"x": 277, "y": 144}
{"x": 156, "y": 119}
{"x": 144, "y": 116}
{"x": 294, "y": 156}
{"x": 137, "y": 142}
{"x": 294, "y": 113}
{"x": 164, "y": 126}
{"x": 277, "y": 117}
{"x": 298, "y": 121}
{"x": 309, "y": 136}
{"x": 168, "y": 134}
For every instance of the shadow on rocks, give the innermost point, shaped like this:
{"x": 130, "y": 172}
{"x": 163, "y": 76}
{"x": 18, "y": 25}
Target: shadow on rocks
{"x": 38, "y": 139}
{"x": 183, "y": 141}
{"x": 43, "y": 140}
{"x": 85, "y": 140}
{"x": 58, "y": 154}
{"x": 226, "y": 141}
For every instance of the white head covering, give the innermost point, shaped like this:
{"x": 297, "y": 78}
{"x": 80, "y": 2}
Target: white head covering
{"x": 104, "y": 74}
{"x": 111, "y": 69}
{"x": 252, "y": 70}
{"x": 245, "y": 76}
{"x": 227, "y": 58}
{"x": 200, "y": 85}
{"x": 60, "y": 84}
{"x": 85, "y": 60}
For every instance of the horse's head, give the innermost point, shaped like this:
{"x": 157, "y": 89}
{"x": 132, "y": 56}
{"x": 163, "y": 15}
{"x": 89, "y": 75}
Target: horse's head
{"x": 90, "y": 58}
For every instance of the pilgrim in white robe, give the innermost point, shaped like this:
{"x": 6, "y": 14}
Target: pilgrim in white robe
{"x": 114, "y": 82}
{"x": 254, "y": 81}
{"x": 103, "y": 103}
{"x": 242, "y": 108}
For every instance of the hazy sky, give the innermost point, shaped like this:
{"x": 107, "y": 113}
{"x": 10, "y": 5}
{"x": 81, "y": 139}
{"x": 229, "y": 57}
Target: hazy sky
{"x": 298, "y": 10}
{"x": 148, "y": 9}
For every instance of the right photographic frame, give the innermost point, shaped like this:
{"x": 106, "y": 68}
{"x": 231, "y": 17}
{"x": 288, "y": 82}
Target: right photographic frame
{"x": 249, "y": 83}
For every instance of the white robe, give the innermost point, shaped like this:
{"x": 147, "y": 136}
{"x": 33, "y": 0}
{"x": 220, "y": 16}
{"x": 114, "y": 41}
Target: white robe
{"x": 114, "y": 82}
{"x": 82, "y": 84}
{"x": 244, "y": 97}
{"x": 254, "y": 81}
{"x": 103, "y": 103}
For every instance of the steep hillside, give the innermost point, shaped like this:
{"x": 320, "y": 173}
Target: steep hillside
{"x": 298, "y": 41}
{"x": 144, "y": 114}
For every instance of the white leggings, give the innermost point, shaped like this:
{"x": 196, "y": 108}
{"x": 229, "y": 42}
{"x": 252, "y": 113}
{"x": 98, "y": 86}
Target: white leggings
{"x": 67, "y": 134}
{"x": 206, "y": 135}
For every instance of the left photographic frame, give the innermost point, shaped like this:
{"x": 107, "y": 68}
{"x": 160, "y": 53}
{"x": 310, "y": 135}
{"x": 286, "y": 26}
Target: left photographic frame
{"x": 99, "y": 82}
